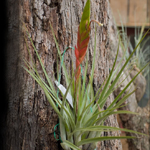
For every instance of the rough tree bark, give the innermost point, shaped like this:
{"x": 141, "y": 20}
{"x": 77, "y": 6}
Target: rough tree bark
{"x": 30, "y": 118}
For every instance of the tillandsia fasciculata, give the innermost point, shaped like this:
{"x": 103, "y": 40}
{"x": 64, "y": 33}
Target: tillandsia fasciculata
{"x": 81, "y": 119}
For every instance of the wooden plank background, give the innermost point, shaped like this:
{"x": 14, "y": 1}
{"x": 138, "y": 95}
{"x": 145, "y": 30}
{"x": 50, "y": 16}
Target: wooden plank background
{"x": 131, "y": 12}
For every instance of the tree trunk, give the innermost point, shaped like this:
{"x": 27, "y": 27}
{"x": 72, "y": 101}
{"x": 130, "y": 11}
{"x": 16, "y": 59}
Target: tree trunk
{"x": 30, "y": 119}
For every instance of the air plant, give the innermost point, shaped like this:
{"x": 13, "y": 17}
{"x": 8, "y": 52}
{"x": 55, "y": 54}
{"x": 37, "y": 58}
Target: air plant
{"x": 141, "y": 56}
{"x": 82, "y": 121}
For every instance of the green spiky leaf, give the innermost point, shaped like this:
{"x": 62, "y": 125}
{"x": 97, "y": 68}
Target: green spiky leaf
{"x": 85, "y": 20}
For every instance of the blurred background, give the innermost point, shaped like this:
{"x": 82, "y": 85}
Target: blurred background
{"x": 132, "y": 18}
{"x": 132, "y": 12}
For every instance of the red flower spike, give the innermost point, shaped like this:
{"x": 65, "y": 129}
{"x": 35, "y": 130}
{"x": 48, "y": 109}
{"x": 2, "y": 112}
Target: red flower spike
{"x": 82, "y": 42}
{"x": 83, "y": 37}
{"x": 80, "y": 50}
